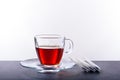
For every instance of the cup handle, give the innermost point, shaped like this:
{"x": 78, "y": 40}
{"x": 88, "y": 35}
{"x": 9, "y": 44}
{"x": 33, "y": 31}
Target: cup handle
{"x": 70, "y": 46}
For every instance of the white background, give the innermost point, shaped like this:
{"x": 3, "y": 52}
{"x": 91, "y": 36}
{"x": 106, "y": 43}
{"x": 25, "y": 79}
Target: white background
{"x": 93, "y": 25}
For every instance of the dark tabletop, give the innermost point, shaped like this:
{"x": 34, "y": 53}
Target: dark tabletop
{"x": 12, "y": 70}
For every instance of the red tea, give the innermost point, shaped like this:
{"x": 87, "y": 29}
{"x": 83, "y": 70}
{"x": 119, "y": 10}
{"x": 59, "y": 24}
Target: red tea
{"x": 49, "y": 55}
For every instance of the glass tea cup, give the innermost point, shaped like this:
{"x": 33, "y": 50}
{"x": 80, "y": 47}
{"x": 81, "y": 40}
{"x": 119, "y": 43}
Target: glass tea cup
{"x": 50, "y": 49}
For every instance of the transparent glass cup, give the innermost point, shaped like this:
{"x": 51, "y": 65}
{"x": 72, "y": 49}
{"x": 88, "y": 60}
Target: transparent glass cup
{"x": 50, "y": 49}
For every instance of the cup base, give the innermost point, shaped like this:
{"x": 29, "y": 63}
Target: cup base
{"x": 49, "y": 68}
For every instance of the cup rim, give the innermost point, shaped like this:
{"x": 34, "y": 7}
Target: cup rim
{"x": 49, "y": 36}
